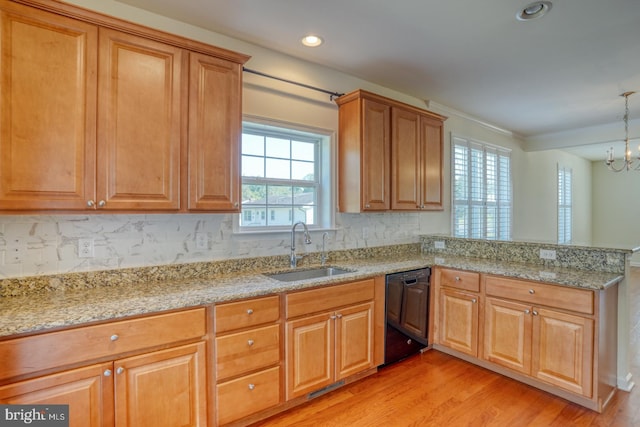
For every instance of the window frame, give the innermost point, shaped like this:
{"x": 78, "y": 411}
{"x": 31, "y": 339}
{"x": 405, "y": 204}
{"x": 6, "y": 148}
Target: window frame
{"x": 565, "y": 204}
{"x": 479, "y": 179}
{"x": 324, "y": 166}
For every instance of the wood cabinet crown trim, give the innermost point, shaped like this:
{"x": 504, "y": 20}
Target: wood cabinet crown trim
{"x": 102, "y": 20}
{"x": 363, "y": 94}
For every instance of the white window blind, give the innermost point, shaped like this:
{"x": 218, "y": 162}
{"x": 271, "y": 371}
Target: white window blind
{"x": 482, "y": 199}
{"x": 565, "y": 202}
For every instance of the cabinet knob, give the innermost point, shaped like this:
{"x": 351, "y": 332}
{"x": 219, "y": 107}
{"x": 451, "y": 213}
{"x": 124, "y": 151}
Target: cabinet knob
{"x": 535, "y": 313}
{"x": 527, "y": 311}
{"x": 252, "y": 386}
{"x": 235, "y": 205}
{"x": 333, "y": 316}
{"x": 101, "y": 203}
{"x": 250, "y": 342}
{"x": 107, "y": 373}
{"x": 339, "y": 316}
{"x": 114, "y": 337}
{"x": 409, "y": 341}
{"x": 367, "y": 206}
{"x": 119, "y": 370}
{"x": 475, "y": 300}
{"x": 250, "y": 311}
{"x": 531, "y": 291}
{"x": 457, "y": 278}
{"x": 91, "y": 203}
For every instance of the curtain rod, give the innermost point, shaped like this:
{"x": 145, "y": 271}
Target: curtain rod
{"x": 331, "y": 94}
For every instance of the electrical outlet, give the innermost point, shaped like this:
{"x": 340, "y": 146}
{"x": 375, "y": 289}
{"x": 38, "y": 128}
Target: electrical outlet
{"x": 202, "y": 241}
{"x": 85, "y": 248}
{"x": 439, "y": 244}
{"x": 15, "y": 254}
{"x": 548, "y": 254}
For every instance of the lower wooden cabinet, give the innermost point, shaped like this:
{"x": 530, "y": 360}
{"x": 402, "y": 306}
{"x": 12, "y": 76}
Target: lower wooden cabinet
{"x": 162, "y": 383}
{"x": 555, "y": 337}
{"x": 248, "y": 395}
{"x": 87, "y": 391}
{"x": 459, "y": 321}
{"x": 327, "y": 347}
{"x": 329, "y": 336}
{"x": 162, "y": 388}
{"x": 249, "y": 358}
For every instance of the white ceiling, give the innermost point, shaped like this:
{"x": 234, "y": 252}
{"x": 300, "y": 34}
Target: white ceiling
{"x": 561, "y": 72}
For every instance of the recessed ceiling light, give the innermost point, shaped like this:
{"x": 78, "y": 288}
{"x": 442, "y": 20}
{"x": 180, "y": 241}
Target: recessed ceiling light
{"x": 312, "y": 41}
{"x": 534, "y": 10}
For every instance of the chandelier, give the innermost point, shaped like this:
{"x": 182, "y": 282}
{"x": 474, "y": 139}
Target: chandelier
{"x": 627, "y": 161}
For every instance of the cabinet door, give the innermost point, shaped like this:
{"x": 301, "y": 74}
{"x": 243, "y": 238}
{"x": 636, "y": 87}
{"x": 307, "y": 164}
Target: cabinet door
{"x": 405, "y": 160}
{"x": 563, "y": 350}
{"x": 214, "y": 134}
{"x": 459, "y": 321}
{"x": 88, "y": 391}
{"x": 354, "y": 340}
{"x": 163, "y": 388}
{"x": 309, "y": 354}
{"x": 431, "y": 163}
{"x": 507, "y": 334}
{"x": 376, "y": 149}
{"x": 47, "y": 110}
{"x": 139, "y": 137}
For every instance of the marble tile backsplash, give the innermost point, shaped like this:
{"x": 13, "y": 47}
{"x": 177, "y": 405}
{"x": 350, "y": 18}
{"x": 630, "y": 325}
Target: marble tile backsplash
{"x": 48, "y": 244}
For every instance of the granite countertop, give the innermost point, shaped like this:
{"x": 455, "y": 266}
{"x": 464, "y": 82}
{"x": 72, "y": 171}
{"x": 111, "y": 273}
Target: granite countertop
{"x": 70, "y": 307}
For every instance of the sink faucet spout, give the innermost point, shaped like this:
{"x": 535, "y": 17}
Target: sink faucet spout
{"x": 307, "y": 240}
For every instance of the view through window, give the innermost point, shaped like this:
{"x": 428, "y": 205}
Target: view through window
{"x": 280, "y": 177}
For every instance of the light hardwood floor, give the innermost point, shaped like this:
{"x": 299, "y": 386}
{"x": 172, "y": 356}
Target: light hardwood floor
{"x": 435, "y": 389}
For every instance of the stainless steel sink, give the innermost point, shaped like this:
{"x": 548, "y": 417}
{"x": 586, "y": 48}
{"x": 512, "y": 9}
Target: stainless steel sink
{"x": 292, "y": 276}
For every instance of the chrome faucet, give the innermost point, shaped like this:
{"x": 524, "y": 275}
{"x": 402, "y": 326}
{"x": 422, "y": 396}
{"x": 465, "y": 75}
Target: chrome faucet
{"x": 323, "y": 258}
{"x": 307, "y": 239}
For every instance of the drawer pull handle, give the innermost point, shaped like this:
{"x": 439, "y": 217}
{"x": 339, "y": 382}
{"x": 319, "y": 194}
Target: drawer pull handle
{"x": 250, "y": 311}
{"x": 107, "y": 373}
{"x": 531, "y": 291}
{"x": 250, "y": 342}
{"x": 114, "y": 337}
{"x": 252, "y": 386}
{"x": 119, "y": 370}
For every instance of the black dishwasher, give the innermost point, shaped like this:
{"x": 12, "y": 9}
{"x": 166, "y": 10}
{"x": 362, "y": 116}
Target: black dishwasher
{"x": 407, "y": 308}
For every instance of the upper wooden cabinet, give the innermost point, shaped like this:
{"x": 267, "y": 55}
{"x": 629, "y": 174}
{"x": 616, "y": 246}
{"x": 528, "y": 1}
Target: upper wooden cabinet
{"x": 389, "y": 155}
{"x": 139, "y": 118}
{"x": 101, "y": 114}
{"x": 47, "y": 109}
{"x": 215, "y": 91}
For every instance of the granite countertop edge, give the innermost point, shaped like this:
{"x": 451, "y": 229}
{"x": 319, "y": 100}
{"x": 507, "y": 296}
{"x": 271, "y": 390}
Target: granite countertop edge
{"x": 56, "y": 309}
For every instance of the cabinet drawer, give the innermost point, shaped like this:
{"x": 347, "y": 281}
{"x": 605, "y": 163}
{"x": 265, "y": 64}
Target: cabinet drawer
{"x": 328, "y": 298}
{"x": 247, "y": 395}
{"x": 247, "y": 351}
{"x": 245, "y": 314}
{"x": 464, "y": 280}
{"x": 25, "y": 355}
{"x": 578, "y": 300}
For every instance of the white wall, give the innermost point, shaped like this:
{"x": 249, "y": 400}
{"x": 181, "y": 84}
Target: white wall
{"x": 616, "y": 208}
{"x": 536, "y": 196}
{"x": 48, "y": 244}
